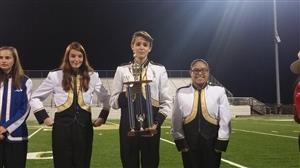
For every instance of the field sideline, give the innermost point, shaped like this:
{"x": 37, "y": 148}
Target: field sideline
{"x": 255, "y": 142}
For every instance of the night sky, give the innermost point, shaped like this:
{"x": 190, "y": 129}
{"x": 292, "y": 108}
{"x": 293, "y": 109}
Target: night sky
{"x": 235, "y": 37}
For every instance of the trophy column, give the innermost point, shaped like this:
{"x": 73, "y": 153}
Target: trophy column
{"x": 139, "y": 107}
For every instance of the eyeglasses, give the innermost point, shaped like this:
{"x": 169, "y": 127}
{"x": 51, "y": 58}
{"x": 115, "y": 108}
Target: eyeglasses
{"x": 198, "y": 71}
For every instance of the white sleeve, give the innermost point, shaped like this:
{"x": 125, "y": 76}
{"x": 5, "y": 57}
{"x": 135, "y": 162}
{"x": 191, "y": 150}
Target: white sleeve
{"x": 177, "y": 121}
{"x": 165, "y": 99}
{"x": 117, "y": 88}
{"x": 41, "y": 93}
{"x": 224, "y": 117}
{"x": 102, "y": 93}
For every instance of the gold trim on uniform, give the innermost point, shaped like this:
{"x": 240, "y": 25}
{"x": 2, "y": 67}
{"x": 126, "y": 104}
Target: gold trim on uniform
{"x": 205, "y": 113}
{"x": 144, "y": 77}
{"x": 80, "y": 97}
{"x": 69, "y": 101}
{"x": 154, "y": 102}
{"x": 193, "y": 114}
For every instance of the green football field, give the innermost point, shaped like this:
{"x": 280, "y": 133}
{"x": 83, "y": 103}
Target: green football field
{"x": 256, "y": 142}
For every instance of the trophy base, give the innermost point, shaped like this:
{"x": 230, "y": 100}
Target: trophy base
{"x": 143, "y": 133}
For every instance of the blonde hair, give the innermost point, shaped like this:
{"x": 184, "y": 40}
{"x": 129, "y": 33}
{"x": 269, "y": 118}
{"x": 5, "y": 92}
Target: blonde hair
{"x": 17, "y": 72}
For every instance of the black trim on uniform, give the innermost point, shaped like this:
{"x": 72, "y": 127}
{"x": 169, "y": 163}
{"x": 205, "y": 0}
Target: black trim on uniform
{"x": 127, "y": 63}
{"x": 41, "y": 116}
{"x": 187, "y": 86}
{"x": 181, "y": 144}
{"x": 221, "y": 145}
{"x": 155, "y": 63}
{"x": 122, "y": 100}
{"x": 103, "y": 114}
{"x": 56, "y": 69}
{"x": 160, "y": 118}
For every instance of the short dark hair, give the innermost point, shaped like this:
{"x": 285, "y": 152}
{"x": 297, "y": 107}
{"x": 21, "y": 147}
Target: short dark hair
{"x": 199, "y": 60}
{"x": 143, "y": 34}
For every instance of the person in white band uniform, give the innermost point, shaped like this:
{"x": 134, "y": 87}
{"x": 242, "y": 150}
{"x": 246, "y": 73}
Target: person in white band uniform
{"x": 139, "y": 150}
{"x": 201, "y": 120}
{"x": 73, "y": 86}
{"x": 15, "y": 92}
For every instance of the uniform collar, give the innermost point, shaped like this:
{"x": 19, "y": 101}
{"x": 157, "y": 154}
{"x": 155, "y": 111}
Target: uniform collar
{"x": 145, "y": 64}
{"x": 199, "y": 89}
{"x": 76, "y": 72}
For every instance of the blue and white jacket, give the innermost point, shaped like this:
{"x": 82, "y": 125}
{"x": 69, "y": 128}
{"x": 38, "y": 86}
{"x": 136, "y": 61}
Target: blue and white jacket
{"x": 14, "y": 105}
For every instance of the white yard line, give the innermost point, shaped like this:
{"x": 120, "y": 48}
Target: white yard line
{"x": 170, "y": 142}
{"x": 273, "y": 124}
{"x": 233, "y": 164}
{"x": 224, "y": 160}
{"x": 35, "y": 132}
{"x": 262, "y": 133}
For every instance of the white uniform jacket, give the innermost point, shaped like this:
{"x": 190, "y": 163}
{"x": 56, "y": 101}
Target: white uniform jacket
{"x": 159, "y": 86}
{"x": 214, "y": 105}
{"x": 62, "y": 99}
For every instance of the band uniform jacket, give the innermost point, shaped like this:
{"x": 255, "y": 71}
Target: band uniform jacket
{"x": 215, "y": 111}
{"x": 15, "y": 108}
{"x": 159, "y": 87}
{"x": 63, "y": 100}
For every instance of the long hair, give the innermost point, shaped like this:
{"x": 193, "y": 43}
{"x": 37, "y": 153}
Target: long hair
{"x": 84, "y": 69}
{"x": 17, "y": 72}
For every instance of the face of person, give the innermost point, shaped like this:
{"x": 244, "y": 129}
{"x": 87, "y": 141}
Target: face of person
{"x": 199, "y": 74}
{"x": 141, "y": 48}
{"x": 6, "y": 60}
{"x": 75, "y": 58}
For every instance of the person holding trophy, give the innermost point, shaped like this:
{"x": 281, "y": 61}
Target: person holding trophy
{"x": 141, "y": 89}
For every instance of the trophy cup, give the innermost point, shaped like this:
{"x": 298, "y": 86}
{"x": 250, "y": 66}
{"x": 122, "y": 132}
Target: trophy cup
{"x": 139, "y": 104}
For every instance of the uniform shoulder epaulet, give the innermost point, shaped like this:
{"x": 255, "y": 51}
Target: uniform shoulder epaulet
{"x": 57, "y": 69}
{"x": 155, "y": 63}
{"x": 187, "y": 86}
{"x": 126, "y": 63}
{"x": 213, "y": 84}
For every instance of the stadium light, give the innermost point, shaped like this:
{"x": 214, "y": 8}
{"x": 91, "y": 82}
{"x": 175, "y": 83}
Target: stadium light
{"x": 276, "y": 41}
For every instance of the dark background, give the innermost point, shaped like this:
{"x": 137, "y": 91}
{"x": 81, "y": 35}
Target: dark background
{"x": 235, "y": 37}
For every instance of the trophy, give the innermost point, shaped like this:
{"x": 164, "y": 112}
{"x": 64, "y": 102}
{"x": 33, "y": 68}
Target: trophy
{"x": 139, "y": 104}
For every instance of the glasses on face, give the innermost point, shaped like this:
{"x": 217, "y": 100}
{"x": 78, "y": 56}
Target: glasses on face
{"x": 200, "y": 71}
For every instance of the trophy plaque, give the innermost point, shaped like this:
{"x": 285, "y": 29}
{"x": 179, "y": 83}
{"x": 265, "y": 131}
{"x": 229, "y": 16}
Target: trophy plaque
{"x": 139, "y": 103}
